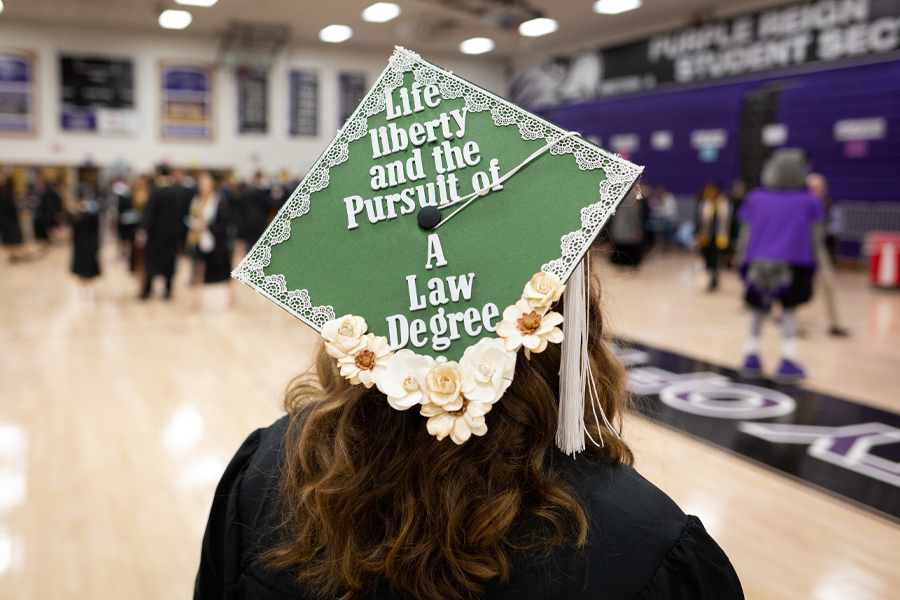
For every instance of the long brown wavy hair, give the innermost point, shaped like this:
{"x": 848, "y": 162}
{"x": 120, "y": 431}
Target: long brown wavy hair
{"x": 370, "y": 498}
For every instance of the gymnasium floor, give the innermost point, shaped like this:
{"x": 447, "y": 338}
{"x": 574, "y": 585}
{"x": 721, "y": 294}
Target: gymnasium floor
{"x": 117, "y": 418}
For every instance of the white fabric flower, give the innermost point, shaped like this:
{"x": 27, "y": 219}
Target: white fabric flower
{"x": 488, "y": 369}
{"x": 368, "y": 362}
{"x": 403, "y": 379}
{"x": 522, "y": 325}
{"x": 344, "y": 336}
{"x": 460, "y": 424}
{"x": 543, "y": 290}
{"x": 443, "y": 386}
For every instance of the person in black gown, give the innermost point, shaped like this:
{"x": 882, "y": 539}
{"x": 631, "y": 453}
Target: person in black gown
{"x": 47, "y": 208}
{"x": 210, "y": 238}
{"x": 85, "y": 218}
{"x": 162, "y": 231}
{"x": 345, "y": 497}
{"x": 257, "y": 204}
{"x": 128, "y": 219}
{"x": 10, "y": 230}
{"x": 627, "y": 230}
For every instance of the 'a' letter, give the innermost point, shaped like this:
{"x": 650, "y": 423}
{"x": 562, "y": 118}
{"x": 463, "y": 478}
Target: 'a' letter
{"x": 435, "y": 251}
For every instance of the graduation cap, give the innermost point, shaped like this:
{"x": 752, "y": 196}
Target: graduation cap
{"x": 430, "y": 240}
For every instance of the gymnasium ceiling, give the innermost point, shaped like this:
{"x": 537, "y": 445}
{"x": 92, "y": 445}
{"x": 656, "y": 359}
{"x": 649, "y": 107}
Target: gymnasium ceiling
{"x": 427, "y": 26}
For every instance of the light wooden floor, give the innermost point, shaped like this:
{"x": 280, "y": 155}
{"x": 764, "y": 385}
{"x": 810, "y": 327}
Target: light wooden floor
{"x": 117, "y": 418}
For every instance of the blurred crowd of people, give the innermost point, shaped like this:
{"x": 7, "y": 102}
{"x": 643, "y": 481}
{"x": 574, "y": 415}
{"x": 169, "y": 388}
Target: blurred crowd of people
{"x": 781, "y": 237}
{"x": 154, "y": 218}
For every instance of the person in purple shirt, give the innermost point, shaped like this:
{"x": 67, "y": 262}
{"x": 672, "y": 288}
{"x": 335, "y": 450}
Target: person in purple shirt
{"x": 782, "y": 233}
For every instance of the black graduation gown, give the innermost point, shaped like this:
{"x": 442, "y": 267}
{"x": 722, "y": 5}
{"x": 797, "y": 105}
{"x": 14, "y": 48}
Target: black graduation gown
{"x": 257, "y": 203}
{"x": 640, "y": 544}
{"x": 49, "y": 205}
{"x": 86, "y": 243}
{"x": 127, "y": 224}
{"x": 164, "y": 222}
{"x": 10, "y": 231}
{"x": 218, "y": 261}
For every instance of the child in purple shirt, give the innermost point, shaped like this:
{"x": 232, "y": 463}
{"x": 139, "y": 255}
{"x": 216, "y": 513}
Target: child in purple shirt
{"x": 782, "y": 227}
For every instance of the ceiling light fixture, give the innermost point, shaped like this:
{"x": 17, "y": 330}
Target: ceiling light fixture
{"x": 335, "y": 34}
{"x": 1, "y": 5}
{"x": 538, "y": 27}
{"x": 381, "y": 12}
{"x": 477, "y": 45}
{"x": 614, "y": 7}
{"x": 175, "y": 19}
{"x": 203, "y": 3}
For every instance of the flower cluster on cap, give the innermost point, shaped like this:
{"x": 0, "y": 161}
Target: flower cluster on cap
{"x": 454, "y": 396}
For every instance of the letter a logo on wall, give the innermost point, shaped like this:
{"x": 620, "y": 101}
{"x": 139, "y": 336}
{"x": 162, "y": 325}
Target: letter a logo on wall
{"x": 431, "y": 209}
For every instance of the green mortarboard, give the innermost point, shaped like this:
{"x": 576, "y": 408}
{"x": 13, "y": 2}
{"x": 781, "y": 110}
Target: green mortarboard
{"x": 426, "y": 216}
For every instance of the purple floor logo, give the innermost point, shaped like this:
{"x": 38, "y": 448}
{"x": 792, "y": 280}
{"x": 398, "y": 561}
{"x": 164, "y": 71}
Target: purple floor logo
{"x": 710, "y": 394}
{"x": 717, "y": 405}
{"x": 849, "y": 446}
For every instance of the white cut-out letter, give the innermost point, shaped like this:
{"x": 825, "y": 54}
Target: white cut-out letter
{"x": 416, "y": 301}
{"x": 463, "y": 285}
{"x": 435, "y": 251}
{"x": 398, "y": 338}
{"x": 354, "y": 207}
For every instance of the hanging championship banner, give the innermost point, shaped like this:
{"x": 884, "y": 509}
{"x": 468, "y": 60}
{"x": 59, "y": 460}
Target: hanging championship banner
{"x": 186, "y": 101}
{"x": 97, "y": 95}
{"x": 253, "y": 100}
{"x": 352, "y": 88}
{"x": 304, "y": 107}
{"x": 797, "y": 34}
{"x": 18, "y": 99}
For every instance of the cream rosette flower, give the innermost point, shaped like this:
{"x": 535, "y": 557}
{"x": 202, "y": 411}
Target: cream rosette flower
{"x": 522, "y": 325}
{"x": 443, "y": 386}
{"x": 344, "y": 336}
{"x": 488, "y": 369}
{"x": 543, "y": 290}
{"x": 460, "y": 424}
{"x": 367, "y": 363}
{"x": 403, "y": 379}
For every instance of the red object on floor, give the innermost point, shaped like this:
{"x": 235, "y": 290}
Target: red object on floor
{"x": 883, "y": 248}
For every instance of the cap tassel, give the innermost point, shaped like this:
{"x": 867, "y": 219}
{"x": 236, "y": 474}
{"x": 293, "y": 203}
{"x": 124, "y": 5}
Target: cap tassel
{"x": 576, "y": 376}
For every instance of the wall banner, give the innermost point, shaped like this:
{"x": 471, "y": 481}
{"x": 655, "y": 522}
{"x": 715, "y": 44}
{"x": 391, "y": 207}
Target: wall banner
{"x": 97, "y": 95}
{"x": 304, "y": 103}
{"x": 253, "y": 100}
{"x": 797, "y": 34}
{"x": 18, "y": 96}
{"x": 186, "y": 101}
{"x": 352, "y": 88}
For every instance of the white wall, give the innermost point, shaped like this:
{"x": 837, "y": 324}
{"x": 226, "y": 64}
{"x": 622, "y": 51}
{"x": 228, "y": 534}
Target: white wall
{"x": 142, "y": 150}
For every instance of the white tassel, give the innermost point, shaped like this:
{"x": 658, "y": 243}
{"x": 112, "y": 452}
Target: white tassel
{"x": 570, "y": 431}
{"x": 576, "y": 376}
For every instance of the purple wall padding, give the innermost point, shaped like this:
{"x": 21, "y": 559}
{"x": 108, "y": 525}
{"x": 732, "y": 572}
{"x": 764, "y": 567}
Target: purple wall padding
{"x": 810, "y": 104}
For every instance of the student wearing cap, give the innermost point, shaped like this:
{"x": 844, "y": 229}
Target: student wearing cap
{"x": 783, "y": 232}
{"x": 345, "y": 497}
{"x": 430, "y": 450}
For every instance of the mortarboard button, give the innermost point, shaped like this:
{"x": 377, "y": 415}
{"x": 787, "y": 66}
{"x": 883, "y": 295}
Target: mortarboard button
{"x": 428, "y": 217}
